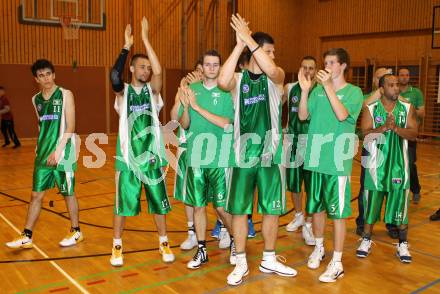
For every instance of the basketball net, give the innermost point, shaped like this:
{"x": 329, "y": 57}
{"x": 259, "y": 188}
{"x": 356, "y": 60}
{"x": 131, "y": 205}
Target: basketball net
{"x": 70, "y": 28}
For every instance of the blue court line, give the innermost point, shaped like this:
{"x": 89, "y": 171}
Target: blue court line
{"x": 421, "y": 289}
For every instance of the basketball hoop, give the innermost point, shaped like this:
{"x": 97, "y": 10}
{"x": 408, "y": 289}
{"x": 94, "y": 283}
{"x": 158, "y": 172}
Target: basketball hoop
{"x": 70, "y": 28}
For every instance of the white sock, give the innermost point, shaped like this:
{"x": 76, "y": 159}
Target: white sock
{"x": 308, "y": 225}
{"x": 337, "y": 256}
{"x": 163, "y": 239}
{"x": 190, "y": 224}
{"x": 319, "y": 242}
{"x": 117, "y": 242}
{"x": 298, "y": 213}
{"x": 268, "y": 253}
{"x": 241, "y": 258}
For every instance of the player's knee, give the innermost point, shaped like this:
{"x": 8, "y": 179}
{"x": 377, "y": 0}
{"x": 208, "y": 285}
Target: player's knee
{"x": 37, "y": 196}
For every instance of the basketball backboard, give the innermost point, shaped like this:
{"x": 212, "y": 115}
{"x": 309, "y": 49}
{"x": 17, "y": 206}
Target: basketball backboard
{"x": 86, "y": 13}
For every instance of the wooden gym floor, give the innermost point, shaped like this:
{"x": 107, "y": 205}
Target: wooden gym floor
{"x": 50, "y": 269}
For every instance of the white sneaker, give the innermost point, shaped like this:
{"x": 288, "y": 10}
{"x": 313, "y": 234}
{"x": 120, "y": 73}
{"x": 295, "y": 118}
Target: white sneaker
{"x": 190, "y": 242}
{"x": 270, "y": 264}
{"x": 403, "y": 252}
{"x": 232, "y": 254}
{"x": 20, "y": 242}
{"x": 225, "y": 239}
{"x": 315, "y": 258}
{"x": 73, "y": 238}
{"x": 365, "y": 248}
{"x": 333, "y": 272}
{"x": 297, "y": 222}
{"x": 307, "y": 234}
{"x": 117, "y": 258}
{"x": 241, "y": 270}
{"x": 167, "y": 254}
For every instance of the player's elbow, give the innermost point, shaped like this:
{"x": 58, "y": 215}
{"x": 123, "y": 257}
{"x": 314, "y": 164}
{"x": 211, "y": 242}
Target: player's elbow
{"x": 116, "y": 80}
{"x": 303, "y": 115}
{"x": 342, "y": 116}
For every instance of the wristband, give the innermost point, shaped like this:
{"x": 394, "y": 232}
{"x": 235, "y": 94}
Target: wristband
{"x": 253, "y": 51}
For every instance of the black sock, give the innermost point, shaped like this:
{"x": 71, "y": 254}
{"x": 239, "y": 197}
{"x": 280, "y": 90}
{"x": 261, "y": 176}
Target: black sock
{"x": 28, "y": 233}
{"x": 76, "y": 229}
{"x": 192, "y": 229}
{"x": 250, "y": 216}
{"x": 202, "y": 243}
{"x": 403, "y": 235}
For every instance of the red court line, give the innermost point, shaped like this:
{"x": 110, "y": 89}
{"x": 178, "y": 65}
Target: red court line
{"x": 59, "y": 289}
{"x": 160, "y": 268}
{"x": 130, "y": 275}
{"x": 282, "y": 236}
{"x": 96, "y": 282}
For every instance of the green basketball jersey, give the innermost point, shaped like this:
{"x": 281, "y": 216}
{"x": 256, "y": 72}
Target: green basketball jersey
{"x": 206, "y": 140}
{"x": 387, "y": 165}
{"x": 328, "y": 141}
{"x": 52, "y": 125}
{"x": 414, "y": 96}
{"x": 294, "y": 124}
{"x": 140, "y": 144}
{"x": 257, "y": 121}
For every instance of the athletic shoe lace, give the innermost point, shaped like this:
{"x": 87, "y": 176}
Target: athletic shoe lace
{"x": 403, "y": 249}
{"x": 365, "y": 244}
{"x": 199, "y": 255}
{"x": 316, "y": 253}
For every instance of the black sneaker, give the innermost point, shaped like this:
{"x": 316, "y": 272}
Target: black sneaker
{"x": 200, "y": 258}
{"x": 435, "y": 216}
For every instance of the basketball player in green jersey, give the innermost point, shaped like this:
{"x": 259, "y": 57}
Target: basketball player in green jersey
{"x": 295, "y": 173}
{"x": 369, "y": 98}
{"x": 257, "y": 95}
{"x": 333, "y": 108}
{"x": 181, "y": 173}
{"x": 210, "y": 111}
{"x": 388, "y": 124}
{"x": 140, "y": 149}
{"x": 55, "y": 160}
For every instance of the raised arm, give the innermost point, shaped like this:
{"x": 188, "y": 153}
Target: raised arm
{"x": 265, "y": 62}
{"x": 184, "y": 119}
{"x": 325, "y": 77}
{"x": 118, "y": 68}
{"x": 306, "y": 84}
{"x": 376, "y": 96}
{"x": 156, "y": 78}
{"x": 226, "y": 79}
{"x": 285, "y": 93}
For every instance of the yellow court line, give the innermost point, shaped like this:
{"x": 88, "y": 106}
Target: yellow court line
{"x": 54, "y": 264}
